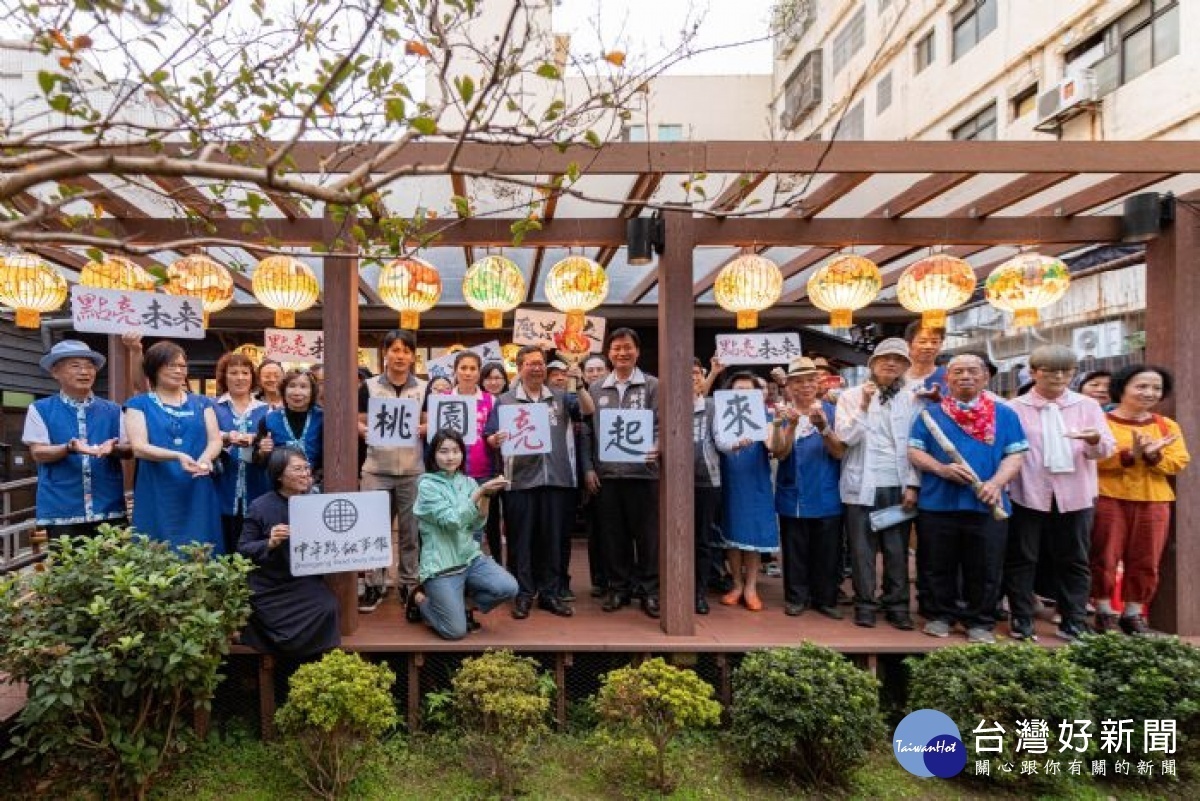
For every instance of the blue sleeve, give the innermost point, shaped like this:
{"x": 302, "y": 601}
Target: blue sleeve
{"x": 919, "y": 437}
{"x": 493, "y": 422}
{"x": 1009, "y": 433}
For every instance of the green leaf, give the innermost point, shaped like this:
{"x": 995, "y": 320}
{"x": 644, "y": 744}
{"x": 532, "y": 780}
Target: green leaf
{"x": 466, "y": 88}
{"x": 393, "y": 109}
{"x": 592, "y": 138}
{"x": 425, "y": 125}
{"x": 47, "y": 80}
{"x": 549, "y": 71}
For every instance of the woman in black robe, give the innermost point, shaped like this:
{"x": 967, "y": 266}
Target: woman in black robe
{"x": 291, "y": 615}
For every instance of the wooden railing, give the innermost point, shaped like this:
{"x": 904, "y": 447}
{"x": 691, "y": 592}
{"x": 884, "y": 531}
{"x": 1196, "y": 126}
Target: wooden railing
{"x": 8, "y": 489}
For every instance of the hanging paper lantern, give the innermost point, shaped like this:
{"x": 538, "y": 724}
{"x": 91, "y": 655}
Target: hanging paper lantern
{"x": 747, "y": 285}
{"x": 493, "y": 285}
{"x": 1024, "y": 284}
{"x": 509, "y": 352}
{"x": 287, "y": 285}
{"x": 935, "y": 285}
{"x": 844, "y": 285}
{"x": 410, "y": 286}
{"x": 116, "y": 272}
{"x": 199, "y": 276}
{"x": 575, "y": 286}
{"x": 30, "y": 287}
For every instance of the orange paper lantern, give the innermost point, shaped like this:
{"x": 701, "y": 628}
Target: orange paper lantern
{"x": 287, "y": 285}
{"x": 116, "y": 272}
{"x": 575, "y": 286}
{"x": 493, "y": 285}
{"x": 410, "y": 286}
{"x": 844, "y": 285}
{"x": 935, "y": 285}
{"x": 201, "y": 277}
{"x": 30, "y": 287}
{"x": 747, "y": 285}
{"x": 1024, "y": 284}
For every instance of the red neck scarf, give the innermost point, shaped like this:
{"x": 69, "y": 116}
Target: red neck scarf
{"x": 978, "y": 421}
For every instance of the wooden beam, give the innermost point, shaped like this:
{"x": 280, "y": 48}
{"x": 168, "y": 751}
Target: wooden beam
{"x": 458, "y": 183}
{"x": 825, "y": 195}
{"x": 736, "y": 193}
{"x": 919, "y": 194}
{"x": 106, "y": 197}
{"x": 644, "y": 187}
{"x": 190, "y": 197}
{"x": 1103, "y": 192}
{"x": 551, "y": 206}
{"x": 287, "y": 205}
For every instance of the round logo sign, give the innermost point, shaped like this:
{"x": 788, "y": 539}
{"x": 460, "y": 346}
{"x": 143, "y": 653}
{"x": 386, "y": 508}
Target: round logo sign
{"x": 927, "y": 743}
{"x": 340, "y": 516}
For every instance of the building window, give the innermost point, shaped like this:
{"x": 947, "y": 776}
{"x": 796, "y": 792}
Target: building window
{"x": 1024, "y": 102}
{"x": 633, "y": 133}
{"x": 849, "y": 40}
{"x": 1140, "y": 40}
{"x": 980, "y": 127}
{"x": 850, "y": 127}
{"x": 802, "y": 91}
{"x": 670, "y": 133}
{"x": 972, "y": 20}
{"x": 883, "y": 94}
{"x": 923, "y": 52}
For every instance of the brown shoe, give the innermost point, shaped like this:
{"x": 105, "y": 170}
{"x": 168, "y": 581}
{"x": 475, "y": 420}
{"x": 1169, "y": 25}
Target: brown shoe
{"x": 1106, "y": 622}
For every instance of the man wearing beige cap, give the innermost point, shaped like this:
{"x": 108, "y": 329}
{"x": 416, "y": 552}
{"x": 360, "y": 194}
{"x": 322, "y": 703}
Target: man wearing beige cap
{"x": 874, "y": 421}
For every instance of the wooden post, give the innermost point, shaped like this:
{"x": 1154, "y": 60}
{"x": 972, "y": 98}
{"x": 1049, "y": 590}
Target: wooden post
{"x": 676, "y": 530}
{"x": 339, "y": 321}
{"x": 266, "y": 695}
{"x": 1172, "y": 340}
{"x": 415, "y": 663}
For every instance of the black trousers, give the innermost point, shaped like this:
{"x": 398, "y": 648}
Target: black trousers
{"x": 968, "y": 543}
{"x": 628, "y": 514}
{"x": 706, "y": 508}
{"x": 810, "y": 559}
{"x": 1066, "y": 538}
{"x": 596, "y": 567}
{"x": 493, "y": 528}
{"x": 80, "y": 530}
{"x": 564, "y": 546}
{"x": 865, "y": 545}
{"x": 231, "y": 531}
{"x": 534, "y": 521}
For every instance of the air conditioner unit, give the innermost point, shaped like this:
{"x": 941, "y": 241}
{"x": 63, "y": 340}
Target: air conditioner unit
{"x": 1099, "y": 341}
{"x": 1069, "y": 98}
{"x": 790, "y": 20}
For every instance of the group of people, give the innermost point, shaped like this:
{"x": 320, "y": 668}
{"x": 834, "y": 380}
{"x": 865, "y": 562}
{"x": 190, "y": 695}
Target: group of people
{"x": 999, "y": 490}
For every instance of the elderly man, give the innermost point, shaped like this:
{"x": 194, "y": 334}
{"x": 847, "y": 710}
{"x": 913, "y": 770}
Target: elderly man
{"x": 957, "y": 526}
{"x": 1055, "y": 493}
{"x": 874, "y": 421}
{"x": 76, "y": 440}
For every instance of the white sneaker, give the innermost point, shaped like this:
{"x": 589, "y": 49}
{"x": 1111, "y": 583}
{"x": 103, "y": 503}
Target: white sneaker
{"x": 937, "y": 628}
{"x": 983, "y": 636}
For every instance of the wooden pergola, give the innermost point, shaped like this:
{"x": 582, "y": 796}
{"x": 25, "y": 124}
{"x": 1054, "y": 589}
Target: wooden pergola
{"x": 890, "y": 201}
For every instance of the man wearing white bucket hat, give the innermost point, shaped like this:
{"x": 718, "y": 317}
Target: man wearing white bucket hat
{"x": 77, "y": 440}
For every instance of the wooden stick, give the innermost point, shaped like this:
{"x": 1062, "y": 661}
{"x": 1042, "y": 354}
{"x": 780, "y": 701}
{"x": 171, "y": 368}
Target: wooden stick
{"x": 997, "y": 509}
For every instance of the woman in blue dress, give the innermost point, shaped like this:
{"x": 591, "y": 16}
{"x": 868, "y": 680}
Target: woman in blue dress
{"x": 299, "y": 424}
{"x": 240, "y": 480}
{"x": 748, "y": 503}
{"x": 175, "y": 440}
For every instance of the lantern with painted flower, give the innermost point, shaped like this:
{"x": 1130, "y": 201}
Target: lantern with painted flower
{"x": 410, "y": 286}
{"x": 203, "y": 278}
{"x": 116, "y": 272}
{"x": 844, "y": 285}
{"x": 1024, "y": 284}
{"x": 30, "y": 287}
{"x": 935, "y": 285}
{"x": 287, "y": 285}
{"x": 575, "y": 286}
{"x": 493, "y": 285}
{"x": 747, "y": 285}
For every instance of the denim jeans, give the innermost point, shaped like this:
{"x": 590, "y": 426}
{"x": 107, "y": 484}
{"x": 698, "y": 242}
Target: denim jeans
{"x": 483, "y": 581}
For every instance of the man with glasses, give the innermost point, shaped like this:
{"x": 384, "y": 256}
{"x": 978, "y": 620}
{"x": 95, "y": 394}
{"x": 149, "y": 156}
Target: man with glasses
{"x": 77, "y": 440}
{"x": 1054, "y": 495}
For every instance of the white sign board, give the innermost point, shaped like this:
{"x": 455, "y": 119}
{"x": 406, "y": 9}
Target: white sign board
{"x": 456, "y": 412}
{"x": 443, "y": 366}
{"x": 117, "y": 311}
{"x": 625, "y": 435}
{"x": 758, "y": 348}
{"x": 527, "y": 426}
{"x": 740, "y": 414}
{"x": 393, "y": 422}
{"x": 545, "y": 329}
{"x": 291, "y": 345}
{"x": 339, "y": 532}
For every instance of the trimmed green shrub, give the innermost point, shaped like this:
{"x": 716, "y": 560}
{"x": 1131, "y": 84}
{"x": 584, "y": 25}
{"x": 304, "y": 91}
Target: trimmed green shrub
{"x": 806, "y": 714}
{"x": 336, "y": 712}
{"x": 647, "y": 706}
{"x": 1140, "y": 679}
{"x": 979, "y": 686}
{"x": 502, "y": 701}
{"x": 117, "y": 642}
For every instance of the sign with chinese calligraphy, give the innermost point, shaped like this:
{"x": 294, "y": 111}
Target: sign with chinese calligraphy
{"x": 527, "y": 426}
{"x": 545, "y": 330}
{"x": 392, "y": 422}
{"x": 456, "y": 412}
{"x": 117, "y": 311}
{"x": 443, "y": 366}
{"x": 740, "y": 414}
{"x": 339, "y": 532}
{"x": 625, "y": 435}
{"x": 758, "y": 348}
{"x": 291, "y": 345}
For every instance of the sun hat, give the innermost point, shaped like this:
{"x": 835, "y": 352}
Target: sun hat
{"x": 71, "y": 349}
{"x": 892, "y": 346}
{"x": 801, "y": 366}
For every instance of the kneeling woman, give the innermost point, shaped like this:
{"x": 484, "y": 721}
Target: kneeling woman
{"x": 291, "y": 615}
{"x": 450, "y": 508}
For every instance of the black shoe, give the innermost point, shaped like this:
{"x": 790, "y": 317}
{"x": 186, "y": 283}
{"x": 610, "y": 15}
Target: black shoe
{"x": 369, "y": 600}
{"x": 650, "y": 606}
{"x": 864, "y": 618}
{"x": 721, "y": 585}
{"x": 599, "y": 591}
{"x": 901, "y": 620}
{"x": 615, "y": 601}
{"x": 844, "y": 598}
{"x": 1020, "y": 628}
{"x": 1135, "y": 625}
{"x": 567, "y": 595}
{"x": 1072, "y": 630}
{"x": 555, "y": 606}
{"x": 794, "y": 610}
{"x": 412, "y": 611}
{"x": 831, "y": 612}
{"x": 1105, "y": 622}
{"x": 638, "y": 593}
{"x": 521, "y": 606}
{"x": 701, "y": 605}
{"x": 472, "y": 623}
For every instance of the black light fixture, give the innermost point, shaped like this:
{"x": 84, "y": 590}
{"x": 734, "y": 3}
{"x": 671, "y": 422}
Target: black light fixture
{"x": 644, "y": 236}
{"x": 1144, "y": 216}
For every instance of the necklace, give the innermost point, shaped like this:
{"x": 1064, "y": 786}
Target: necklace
{"x": 175, "y": 416}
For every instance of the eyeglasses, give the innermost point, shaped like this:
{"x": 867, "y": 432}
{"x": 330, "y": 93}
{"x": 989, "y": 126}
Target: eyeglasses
{"x": 299, "y": 469}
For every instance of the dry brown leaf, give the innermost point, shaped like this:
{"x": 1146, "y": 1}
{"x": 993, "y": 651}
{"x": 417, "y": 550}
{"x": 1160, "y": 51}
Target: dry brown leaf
{"x": 616, "y": 58}
{"x": 414, "y": 48}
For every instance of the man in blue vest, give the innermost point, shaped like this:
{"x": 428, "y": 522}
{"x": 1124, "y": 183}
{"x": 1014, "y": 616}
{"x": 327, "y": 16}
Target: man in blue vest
{"x": 77, "y": 441}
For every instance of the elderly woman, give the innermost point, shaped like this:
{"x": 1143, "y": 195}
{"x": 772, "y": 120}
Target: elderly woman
{"x": 299, "y": 424}
{"x": 238, "y": 415}
{"x": 290, "y": 615}
{"x": 1055, "y": 493}
{"x": 175, "y": 439}
{"x": 1133, "y": 512}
